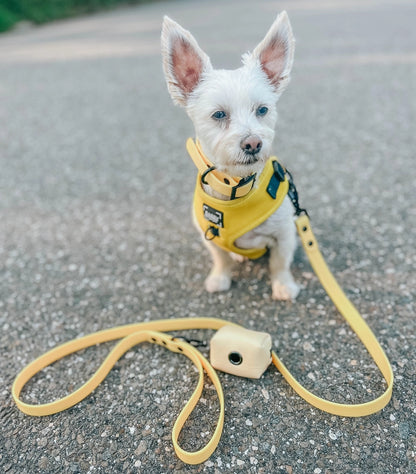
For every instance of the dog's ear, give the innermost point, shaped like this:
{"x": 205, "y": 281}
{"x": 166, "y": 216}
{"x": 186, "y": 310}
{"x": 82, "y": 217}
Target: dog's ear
{"x": 275, "y": 53}
{"x": 184, "y": 62}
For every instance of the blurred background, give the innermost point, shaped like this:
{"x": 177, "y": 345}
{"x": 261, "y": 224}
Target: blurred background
{"x": 95, "y": 197}
{"x": 15, "y": 12}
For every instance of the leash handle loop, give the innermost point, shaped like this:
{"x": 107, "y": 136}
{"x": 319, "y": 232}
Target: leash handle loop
{"x": 135, "y": 337}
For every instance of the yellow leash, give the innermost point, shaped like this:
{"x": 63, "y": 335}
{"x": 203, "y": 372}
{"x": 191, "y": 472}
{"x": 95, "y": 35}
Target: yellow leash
{"x": 131, "y": 335}
{"x": 153, "y": 332}
{"x": 357, "y": 323}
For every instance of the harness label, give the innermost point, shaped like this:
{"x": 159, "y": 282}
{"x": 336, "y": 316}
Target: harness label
{"x": 212, "y": 215}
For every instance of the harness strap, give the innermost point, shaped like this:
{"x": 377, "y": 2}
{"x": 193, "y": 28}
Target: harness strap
{"x": 229, "y": 186}
{"x": 133, "y": 334}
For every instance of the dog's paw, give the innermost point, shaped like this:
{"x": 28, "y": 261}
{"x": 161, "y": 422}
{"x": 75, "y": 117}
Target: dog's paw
{"x": 285, "y": 292}
{"x": 217, "y": 282}
{"x": 237, "y": 257}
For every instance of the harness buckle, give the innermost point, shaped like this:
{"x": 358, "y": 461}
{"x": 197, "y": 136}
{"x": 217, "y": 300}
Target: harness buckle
{"x": 242, "y": 182}
{"x": 279, "y": 171}
{"x": 278, "y": 177}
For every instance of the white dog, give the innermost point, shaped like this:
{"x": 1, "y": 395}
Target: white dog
{"x": 234, "y": 115}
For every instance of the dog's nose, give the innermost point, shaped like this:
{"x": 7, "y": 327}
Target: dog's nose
{"x": 251, "y": 144}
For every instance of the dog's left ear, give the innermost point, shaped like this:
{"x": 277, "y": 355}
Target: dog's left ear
{"x": 275, "y": 53}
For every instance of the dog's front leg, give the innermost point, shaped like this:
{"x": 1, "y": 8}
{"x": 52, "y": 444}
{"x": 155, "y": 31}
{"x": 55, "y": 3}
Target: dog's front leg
{"x": 219, "y": 278}
{"x": 284, "y": 286}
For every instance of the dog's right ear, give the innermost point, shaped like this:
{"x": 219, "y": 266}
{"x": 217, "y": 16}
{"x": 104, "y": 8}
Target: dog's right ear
{"x": 184, "y": 62}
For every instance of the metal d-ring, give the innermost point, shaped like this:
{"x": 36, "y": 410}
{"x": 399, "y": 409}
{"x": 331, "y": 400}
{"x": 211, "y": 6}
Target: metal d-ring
{"x": 214, "y": 233}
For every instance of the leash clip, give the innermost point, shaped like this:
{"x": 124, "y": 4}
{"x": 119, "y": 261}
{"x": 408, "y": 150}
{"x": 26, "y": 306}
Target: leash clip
{"x": 192, "y": 342}
{"x": 294, "y": 197}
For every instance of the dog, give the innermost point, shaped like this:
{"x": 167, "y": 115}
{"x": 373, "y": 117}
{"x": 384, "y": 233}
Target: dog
{"x": 234, "y": 113}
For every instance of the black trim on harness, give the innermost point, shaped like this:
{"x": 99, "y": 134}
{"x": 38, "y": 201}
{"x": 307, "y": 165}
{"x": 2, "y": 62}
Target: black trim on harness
{"x": 242, "y": 182}
{"x": 277, "y": 177}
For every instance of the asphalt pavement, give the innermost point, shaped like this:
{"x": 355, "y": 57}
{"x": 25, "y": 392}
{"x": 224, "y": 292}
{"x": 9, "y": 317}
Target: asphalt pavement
{"x": 95, "y": 231}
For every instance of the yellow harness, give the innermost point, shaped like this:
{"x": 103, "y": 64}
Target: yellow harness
{"x": 225, "y": 221}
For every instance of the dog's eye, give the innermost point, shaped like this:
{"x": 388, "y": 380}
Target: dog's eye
{"x": 261, "y": 111}
{"x": 219, "y": 115}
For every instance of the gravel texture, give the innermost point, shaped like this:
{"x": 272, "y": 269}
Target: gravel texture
{"x": 95, "y": 193}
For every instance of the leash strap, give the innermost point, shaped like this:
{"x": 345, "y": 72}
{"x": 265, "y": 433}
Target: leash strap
{"x": 131, "y": 335}
{"x": 357, "y": 323}
{"x": 153, "y": 332}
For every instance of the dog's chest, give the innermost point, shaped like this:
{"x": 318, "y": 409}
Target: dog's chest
{"x": 268, "y": 233}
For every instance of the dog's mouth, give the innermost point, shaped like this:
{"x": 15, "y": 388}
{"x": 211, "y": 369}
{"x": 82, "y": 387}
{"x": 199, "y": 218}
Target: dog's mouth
{"x": 250, "y": 160}
{"x": 247, "y": 159}
{"x": 244, "y": 164}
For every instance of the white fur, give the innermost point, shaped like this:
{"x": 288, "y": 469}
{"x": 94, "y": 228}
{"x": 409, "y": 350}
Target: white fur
{"x": 202, "y": 90}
